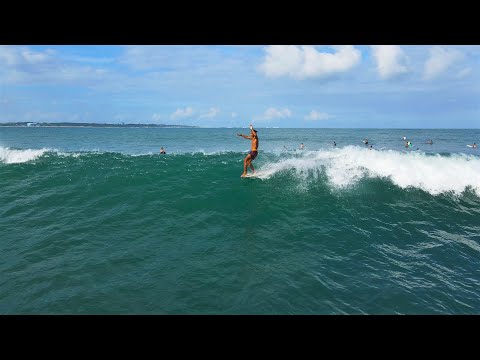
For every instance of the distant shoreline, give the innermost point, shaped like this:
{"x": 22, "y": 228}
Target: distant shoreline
{"x": 91, "y": 125}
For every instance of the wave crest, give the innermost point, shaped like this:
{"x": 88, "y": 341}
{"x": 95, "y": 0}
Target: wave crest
{"x": 13, "y": 156}
{"x": 344, "y": 167}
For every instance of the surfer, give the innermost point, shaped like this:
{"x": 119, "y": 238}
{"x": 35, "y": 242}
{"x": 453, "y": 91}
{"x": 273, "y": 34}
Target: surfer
{"x": 429, "y": 142}
{"x": 404, "y": 138}
{"x": 302, "y": 146}
{"x": 162, "y": 151}
{"x": 474, "y": 145}
{"x": 253, "y": 153}
{"x": 334, "y": 143}
{"x": 365, "y": 141}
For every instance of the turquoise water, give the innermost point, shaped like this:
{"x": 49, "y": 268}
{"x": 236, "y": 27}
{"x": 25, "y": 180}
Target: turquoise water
{"x": 95, "y": 221}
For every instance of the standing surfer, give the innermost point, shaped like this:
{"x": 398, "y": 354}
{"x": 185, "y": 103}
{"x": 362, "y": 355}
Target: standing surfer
{"x": 253, "y": 153}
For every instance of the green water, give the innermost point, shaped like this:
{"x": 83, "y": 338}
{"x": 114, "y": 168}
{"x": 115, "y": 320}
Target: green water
{"x": 324, "y": 232}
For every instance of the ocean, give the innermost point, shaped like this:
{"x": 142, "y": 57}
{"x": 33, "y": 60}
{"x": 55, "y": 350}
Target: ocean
{"x": 96, "y": 221}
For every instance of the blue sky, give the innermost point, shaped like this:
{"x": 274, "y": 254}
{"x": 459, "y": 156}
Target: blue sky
{"x": 393, "y": 86}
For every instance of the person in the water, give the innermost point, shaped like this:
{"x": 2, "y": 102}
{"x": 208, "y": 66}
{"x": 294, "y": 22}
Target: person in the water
{"x": 302, "y": 146}
{"x": 162, "y": 151}
{"x": 365, "y": 141}
{"x": 334, "y": 143}
{"x": 429, "y": 142}
{"x": 253, "y": 153}
{"x": 474, "y": 145}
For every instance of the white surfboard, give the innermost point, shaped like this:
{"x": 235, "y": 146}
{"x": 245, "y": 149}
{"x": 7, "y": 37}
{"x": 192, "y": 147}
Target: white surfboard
{"x": 470, "y": 146}
{"x": 257, "y": 175}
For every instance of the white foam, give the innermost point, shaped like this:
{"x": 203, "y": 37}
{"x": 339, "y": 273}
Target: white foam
{"x": 12, "y": 156}
{"x": 67, "y": 154}
{"x": 346, "y": 166}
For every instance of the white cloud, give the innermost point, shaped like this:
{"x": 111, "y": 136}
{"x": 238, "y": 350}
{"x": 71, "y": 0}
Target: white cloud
{"x": 390, "y": 59}
{"x": 18, "y": 56}
{"x": 273, "y": 113}
{"x": 19, "y": 64}
{"x": 86, "y": 59}
{"x": 171, "y": 57}
{"x": 211, "y": 113}
{"x": 439, "y": 61}
{"x": 302, "y": 62}
{"x": 316, "y": 115}
{"x": 182, "y": 113}
{"x": 156, "y": 117}
{"x": 144, "y": 57}
{"x": 464, "y": 72}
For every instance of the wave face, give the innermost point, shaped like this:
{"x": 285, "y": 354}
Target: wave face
{"x": 327, "y": 231}
{"x": 340, "y": 168}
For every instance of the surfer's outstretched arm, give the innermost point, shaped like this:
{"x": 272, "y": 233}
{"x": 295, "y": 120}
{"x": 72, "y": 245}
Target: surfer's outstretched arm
{"x": 245, "y": 136}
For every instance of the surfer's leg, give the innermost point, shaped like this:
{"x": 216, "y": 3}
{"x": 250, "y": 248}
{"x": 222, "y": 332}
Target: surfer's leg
{"x": 251, "y": 166}
{"x": 245, "y": 164}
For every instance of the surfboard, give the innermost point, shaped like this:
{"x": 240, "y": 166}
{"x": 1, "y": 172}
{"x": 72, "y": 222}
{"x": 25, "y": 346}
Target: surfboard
{"x": 470, "y": 146}
{"x": 257, "y": 175}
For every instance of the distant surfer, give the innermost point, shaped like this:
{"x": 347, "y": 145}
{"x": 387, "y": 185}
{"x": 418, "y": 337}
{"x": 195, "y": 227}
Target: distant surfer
{"x": 371, "y": 147}
{"x": 334, "y": 144}
{"x": 365, "y": 141}
{"x": 253, "y": 153}
{"x": 162, "y": 151}
{"x": 404, "y": 138}
{"x": 429, "y": 142}
{"x": 302, "y": 146}
{"x": 474, "y": 145}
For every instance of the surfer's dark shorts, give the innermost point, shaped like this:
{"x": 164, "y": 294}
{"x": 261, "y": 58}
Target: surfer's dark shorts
{"x": 253, "y": 154}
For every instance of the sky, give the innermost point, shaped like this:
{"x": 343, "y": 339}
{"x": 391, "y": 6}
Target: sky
{"x": 287, "y": 86}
